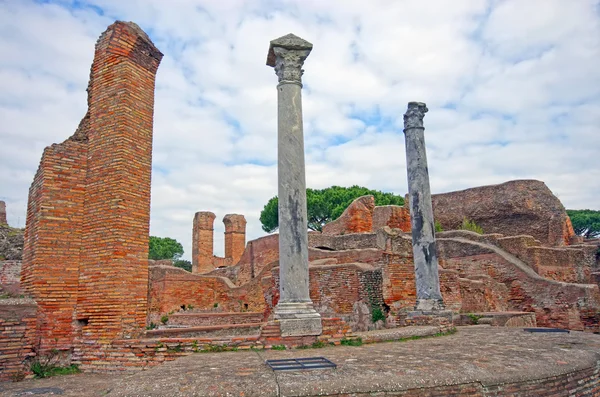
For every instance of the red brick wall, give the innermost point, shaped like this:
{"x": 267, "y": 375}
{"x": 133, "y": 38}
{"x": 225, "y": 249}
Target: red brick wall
{"x": 17, "y": 337}
{"x": 357, "y": 218}
{"x": 51, "y": 262}
{"x": 393, "y": 216}
{"x": 112, "y": 300}
{"x": 202, "y": 242}
{"x": 235, "y": 237}
{"x": 170, "y": 288}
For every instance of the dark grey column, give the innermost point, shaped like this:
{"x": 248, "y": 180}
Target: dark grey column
{"x": 427, "y": 278}
{"x": 295, "y": 310}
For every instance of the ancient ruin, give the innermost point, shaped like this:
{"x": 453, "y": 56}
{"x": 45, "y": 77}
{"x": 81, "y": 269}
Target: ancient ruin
{"x": 86, "y": 290}
{"x": 203, "y": 260}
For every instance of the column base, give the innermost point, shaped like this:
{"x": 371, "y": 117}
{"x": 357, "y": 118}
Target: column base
{"x": 298, "y": 319}
{"x": 430, "y": 305}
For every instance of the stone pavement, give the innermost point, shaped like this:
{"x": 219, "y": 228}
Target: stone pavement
{"x": 478, "y": 360}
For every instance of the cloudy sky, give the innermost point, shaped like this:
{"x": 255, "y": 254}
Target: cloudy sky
{"x": 512, "y": 86}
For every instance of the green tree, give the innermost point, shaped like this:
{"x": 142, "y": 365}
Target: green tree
{"x": 325, "y": 205}
{"x": 183, "y": 264}
{"x": 586, "y": 223}
{"x": 164, "y": 248}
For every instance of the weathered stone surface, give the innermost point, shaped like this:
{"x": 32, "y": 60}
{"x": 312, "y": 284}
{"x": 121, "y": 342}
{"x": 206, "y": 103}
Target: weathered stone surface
{"x": 11, "y": 243}
{"x": 429, "y": 296}
{"x": 393, "y": 216}
{"x": 357, "y": 218}
{"x": 294, "y": 310}
{"x": 521, "y": 207}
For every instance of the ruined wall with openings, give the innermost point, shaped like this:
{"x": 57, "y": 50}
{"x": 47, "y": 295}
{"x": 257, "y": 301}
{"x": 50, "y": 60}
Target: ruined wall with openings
{"x": 203, "y": 259}
{"x": 86, "y": 242}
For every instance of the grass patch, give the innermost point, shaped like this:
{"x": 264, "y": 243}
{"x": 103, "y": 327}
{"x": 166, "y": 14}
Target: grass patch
{"x": 351, "y": 342}
{"x": 278, "y": 347}
{"x": 41, "y": 371}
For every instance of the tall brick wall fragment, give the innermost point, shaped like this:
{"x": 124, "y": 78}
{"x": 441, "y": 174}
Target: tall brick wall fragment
{"x": 3, "y": 220}
{"x": 357, "y": 218}
{"x": 51, "y": 261}
{"x": 235, "y": 237}
{"x": 513, "y": 208}
{"x": 113, "y": 277}
{"x": 202, "y": 242}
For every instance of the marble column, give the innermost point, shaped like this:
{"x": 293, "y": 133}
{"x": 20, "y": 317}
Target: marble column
{"x": 427, "y": 279}
{"x": 294, "y": 311}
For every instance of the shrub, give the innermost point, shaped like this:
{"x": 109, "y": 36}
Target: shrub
{"x": 164, "y": 319}
{"x": 471, "y": 226}
{"x": 438, "y": 227}
{"x": 278, "y": 347}
{"x": 377, "y": 314}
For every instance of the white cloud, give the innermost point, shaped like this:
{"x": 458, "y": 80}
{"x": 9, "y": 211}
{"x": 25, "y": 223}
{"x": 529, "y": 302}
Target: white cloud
{"x": 512, "y": 87}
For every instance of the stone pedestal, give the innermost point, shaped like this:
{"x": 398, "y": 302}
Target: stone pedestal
{"x": 295, "y": 310}
{"x": 429, "y": 297}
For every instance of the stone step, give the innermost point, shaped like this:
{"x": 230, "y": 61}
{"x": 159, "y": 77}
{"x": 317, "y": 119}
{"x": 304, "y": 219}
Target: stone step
{"x": 211, "y": 331}
{"x": 498, "y": 319}
{"x": 198, "y": 319}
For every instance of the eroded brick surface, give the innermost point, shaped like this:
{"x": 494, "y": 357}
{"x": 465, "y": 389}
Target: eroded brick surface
{"x": 86, "y": 243}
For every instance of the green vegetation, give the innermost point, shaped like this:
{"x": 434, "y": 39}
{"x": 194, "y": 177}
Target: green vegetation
{"x": 438, "y": 227}
{"x": 278, "y": 347}
{"x": 183, "y": 264}
{"x": 41, "y": 371}
{"x": 586, "y": 223}
{"x": 214, "y": 349}
{"x": 471, "y": 226}
{"x": 47, "y": 366}
{"x": 164, "y": 319}
{"x": 377, "y": 314}
{"x": 474, "y": 318}
{"x": 164, "y": 248}
{"x": 151, "y": 326}
{"x": 316, "y": 345}
{"x": 351, "y": 342}
{"x": 325, "y": 205}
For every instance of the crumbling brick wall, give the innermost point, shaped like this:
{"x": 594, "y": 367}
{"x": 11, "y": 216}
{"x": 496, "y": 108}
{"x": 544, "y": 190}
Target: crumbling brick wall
{"x": 3, "y": 220}
{"x": 203, "y": 260}
{"x": 50, "y": 271}
{"x": 18, "y": 320}
{"x": 521, "y": 207}
{"x": 112, "y": 296}
{"x": 86, "y": 240}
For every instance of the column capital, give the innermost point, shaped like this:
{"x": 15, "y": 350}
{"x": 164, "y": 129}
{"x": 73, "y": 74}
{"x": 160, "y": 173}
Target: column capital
{"x": 413, "y": 118}
{"x": 287, "y": 55}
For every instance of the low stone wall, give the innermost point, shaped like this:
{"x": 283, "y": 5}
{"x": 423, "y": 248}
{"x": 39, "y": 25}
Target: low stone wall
{"x": 18, "y": 324}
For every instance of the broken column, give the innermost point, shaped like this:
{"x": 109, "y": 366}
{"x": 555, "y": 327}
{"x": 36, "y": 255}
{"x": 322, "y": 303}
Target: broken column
{"x": 294, "y": 311}
{"x": 202, "y": 242}
{"x": 427, "y": 279}
{"x": 235, "y": 237}
{"x": 3, "y": 213}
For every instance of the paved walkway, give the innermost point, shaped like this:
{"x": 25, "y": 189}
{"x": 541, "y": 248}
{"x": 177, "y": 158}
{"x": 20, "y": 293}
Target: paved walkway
{"x": 486, "y": 356}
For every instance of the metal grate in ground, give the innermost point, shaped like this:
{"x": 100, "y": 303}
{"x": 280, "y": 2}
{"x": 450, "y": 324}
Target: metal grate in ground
{"x": 300, "y": 364}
